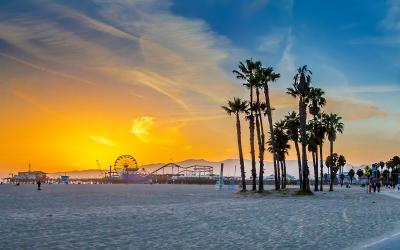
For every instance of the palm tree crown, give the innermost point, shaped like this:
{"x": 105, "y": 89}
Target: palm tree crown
{"x": 301, "y": 83}
{"x": 333, "y": 126}
{"x": 292, "y": 125}
{"x": 236, "y": 106}
{"x": 315, "y": 100}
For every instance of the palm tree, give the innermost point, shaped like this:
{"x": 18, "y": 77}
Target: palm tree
{"x": 301, "y": 88}
{"x": 333, "y": 127}
{"x": 313, "y": 141}
{"x": 316, "y": 101}
{"x": 321, "y": 131}
{"x": 246, "y": 72}
{"x": 236, "y": 107}
{"x": 268, "y": 75}
{"x": 395, "y": 169}
{"x": 282, "y": 149}
{"x": 331, "y": 162}
{"x": 292, "y": 126}
{"x": 335, "y": 162}
{"x": 260, "y": 126}
{"x": 341, "y": 164}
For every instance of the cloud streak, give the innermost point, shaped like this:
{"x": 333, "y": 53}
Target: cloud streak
{"x": 101, "y": 140}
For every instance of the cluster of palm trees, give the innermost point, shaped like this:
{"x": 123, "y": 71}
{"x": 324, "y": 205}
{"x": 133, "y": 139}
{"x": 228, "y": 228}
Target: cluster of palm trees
{"x": 390, "y": 170}
{"x": 306, "y": 135}
{"x": 336, "y": 163}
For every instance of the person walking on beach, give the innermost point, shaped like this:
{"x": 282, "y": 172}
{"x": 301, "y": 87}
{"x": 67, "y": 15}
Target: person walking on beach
{"x": 38, "y": 184}
{"x": 372, "y": 184}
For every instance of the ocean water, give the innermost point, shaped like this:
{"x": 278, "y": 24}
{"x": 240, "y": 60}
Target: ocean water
{"x": 186, "y": 216}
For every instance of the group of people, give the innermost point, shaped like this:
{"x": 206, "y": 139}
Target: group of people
{"x": 375, "y": 183}
{"x": 38, "y": 183}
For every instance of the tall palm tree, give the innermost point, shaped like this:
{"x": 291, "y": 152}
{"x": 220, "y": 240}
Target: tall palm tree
{"x": 301, "y": 89}
{"x": 312, "y": 141}
{"x": 260, "y": 107}
{"x": 333, "y": 127}
{"x": 268, "y": 76}
{"x": 321, "y": 132}
{"x": 292, "y": 125}
{"x": 316, "y": 101}
{"x": 236, "y": 107}
{"x": 246, "y": 72}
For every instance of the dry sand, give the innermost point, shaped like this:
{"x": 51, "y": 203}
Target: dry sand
{"x": 189, "y": 216}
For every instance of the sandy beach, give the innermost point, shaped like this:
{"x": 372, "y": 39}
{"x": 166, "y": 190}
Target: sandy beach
{"x": 189, "y": 216}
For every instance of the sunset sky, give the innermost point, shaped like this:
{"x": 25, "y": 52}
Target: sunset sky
{"x": 82, "y": 81}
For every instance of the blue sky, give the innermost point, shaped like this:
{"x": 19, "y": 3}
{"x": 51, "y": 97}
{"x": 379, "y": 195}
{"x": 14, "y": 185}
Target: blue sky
{"x": 152, "y": 74}
{"x": 354, "y": 36}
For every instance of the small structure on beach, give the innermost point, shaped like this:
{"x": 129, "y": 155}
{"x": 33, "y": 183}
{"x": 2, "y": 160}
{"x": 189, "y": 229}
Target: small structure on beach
{"x": 64, "y": 179}
{"x": 29, "y": 176}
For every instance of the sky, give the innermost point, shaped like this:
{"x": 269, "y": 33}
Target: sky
{"x": 82, "y": 81}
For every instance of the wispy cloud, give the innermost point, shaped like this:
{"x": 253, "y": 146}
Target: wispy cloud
{"x": 390, "y": 27}
{"x": 45, "y": 69}
{"x": 142, "y": 125}
{"x": 372, "y": 88}
{"x": 359, "y": 110}
{"x": 36, "y": 104}
{"x": 392, "y": 19}
{"x": 254, "y": 5}
{"x": 179, "y": 57}
{"x": 272, "y": 42}
{"x": 148, "y": 131}
{"x": 286, "y": 64}
{"x": 101, "y": 140}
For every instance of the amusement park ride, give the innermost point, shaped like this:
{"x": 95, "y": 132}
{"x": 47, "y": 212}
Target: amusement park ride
{"x": 126, "y": 169}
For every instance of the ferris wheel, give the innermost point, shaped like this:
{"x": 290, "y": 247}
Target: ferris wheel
{"x": 126, "y": 164}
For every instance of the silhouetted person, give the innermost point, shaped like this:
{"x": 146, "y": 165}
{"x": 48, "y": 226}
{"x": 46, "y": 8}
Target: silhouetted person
{"x": 38, "y": 184}
{"x": 374, "y": 184}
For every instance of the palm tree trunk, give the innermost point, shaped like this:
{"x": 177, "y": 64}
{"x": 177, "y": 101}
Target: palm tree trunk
{"x": 322, "y": 168}
{"x": 314, "y": 160}
{"x": 331, "y": 166}
{"x": 316, "y": 171}
{"x": 271, "y": 129}
{"x": 239, "y": 138}
{"x": 296, "y": 145}
{"x": 284, "y": 168}
{"x": 261, "y": 144}
{"x": 252, "y": 146}
{"x": 279, "y": 172}
{"x": 303, "y": 121}
{"x": 252, "y": 152}
{"x": 261, "y": 170}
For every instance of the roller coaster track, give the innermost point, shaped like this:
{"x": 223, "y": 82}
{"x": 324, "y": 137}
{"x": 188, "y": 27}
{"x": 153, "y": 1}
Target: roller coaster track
{"x": 180, "y": 169}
